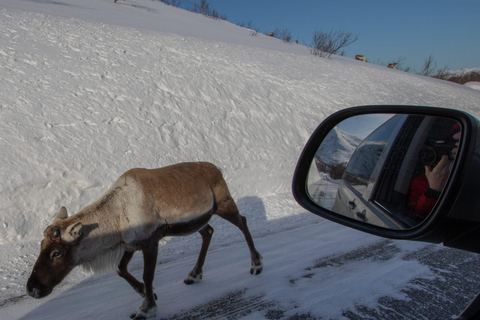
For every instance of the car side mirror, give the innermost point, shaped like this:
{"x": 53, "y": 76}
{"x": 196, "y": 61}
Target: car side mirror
{"x": 401, "y": 172}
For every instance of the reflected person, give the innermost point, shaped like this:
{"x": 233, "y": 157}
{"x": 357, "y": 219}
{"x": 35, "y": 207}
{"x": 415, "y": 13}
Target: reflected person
{"x": 426, "y": 188}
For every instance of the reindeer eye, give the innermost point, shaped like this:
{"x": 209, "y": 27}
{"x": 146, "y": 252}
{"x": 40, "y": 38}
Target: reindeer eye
{"x": 56, "y": 254}
{"x": 56, "y": 233}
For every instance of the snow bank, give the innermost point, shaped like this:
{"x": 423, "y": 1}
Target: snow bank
{"x": 473, "y": 85}
{"x": 83, "y": 102}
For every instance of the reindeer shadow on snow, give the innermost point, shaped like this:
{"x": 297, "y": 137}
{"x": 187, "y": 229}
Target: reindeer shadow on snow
{"x": 138, "y": 210}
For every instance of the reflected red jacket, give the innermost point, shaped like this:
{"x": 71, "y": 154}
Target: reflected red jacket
{"x": 421, "y": 199}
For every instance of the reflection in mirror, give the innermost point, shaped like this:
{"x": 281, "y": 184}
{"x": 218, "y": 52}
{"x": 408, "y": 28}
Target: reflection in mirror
{"x": 384, "y": 169}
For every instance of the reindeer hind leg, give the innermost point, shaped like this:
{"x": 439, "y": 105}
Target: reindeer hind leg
{"x": 227, "y": 209}
{"x": 197, "y": 272}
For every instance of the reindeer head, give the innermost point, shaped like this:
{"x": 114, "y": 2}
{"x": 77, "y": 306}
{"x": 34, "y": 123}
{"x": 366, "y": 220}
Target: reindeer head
{"x": 56, "y": 257}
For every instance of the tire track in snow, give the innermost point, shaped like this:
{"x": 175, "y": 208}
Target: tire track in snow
{"x": 235, "y": 305}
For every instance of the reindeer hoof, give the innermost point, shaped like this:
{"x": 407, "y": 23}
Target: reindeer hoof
{"x": 136, "y": 316}
{"x": 190, "y": 279}
{"x": 142, "y": 313}
{"x": 257, "y": 268}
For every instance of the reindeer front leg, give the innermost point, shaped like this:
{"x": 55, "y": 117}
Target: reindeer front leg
{"x": 123, "y": 272}
{"x": 148, "y": 309}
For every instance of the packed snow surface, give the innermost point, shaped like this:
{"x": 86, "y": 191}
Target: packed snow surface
{"x": 90, "y": 89}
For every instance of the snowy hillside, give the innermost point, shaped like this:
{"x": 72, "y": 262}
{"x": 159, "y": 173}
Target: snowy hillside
{"x": 468, "y": 77}
{"x": 461, "y": 72}
{"x": 338, "y": 147}
{"x": 89, "y": 89}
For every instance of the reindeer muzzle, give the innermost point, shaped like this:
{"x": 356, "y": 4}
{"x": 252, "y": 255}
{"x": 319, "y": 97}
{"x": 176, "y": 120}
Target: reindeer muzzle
{"x": 36, "y": 290}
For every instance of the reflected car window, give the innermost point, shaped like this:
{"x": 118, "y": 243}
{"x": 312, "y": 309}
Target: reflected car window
{"x": 362, "y": 164}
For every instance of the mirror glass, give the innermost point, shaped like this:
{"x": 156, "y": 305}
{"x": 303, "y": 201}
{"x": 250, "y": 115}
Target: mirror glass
{"x": 385, "y": 169}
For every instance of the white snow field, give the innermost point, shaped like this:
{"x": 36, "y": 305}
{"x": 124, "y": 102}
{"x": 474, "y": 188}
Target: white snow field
{"x": 90, "y": 89}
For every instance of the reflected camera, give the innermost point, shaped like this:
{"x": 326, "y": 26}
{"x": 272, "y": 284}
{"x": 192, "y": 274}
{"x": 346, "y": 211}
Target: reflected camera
{"x": 433, "y": 151}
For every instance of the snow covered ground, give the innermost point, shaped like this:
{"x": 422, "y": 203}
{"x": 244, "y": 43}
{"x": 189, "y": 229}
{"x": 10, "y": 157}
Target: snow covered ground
{"x": 473, "y": 85}
{"x": 89, "y": 89}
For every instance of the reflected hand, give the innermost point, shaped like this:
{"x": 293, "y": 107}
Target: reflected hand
{"x": 437, "y": 177}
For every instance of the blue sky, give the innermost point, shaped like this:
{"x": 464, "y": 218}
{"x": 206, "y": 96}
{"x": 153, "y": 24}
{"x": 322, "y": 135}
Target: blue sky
{"x": 412, "y": 29}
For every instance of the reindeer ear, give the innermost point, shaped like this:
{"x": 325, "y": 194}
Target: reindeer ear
{"x": 61, "y": 215}
{"x": 73, "y": 232}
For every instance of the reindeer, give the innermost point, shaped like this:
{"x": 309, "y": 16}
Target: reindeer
{"x": 360, "y": 57}
{"x": 138, "y": 210}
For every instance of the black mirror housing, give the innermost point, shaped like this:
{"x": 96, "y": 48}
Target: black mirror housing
{"x": 454, "y": 221}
